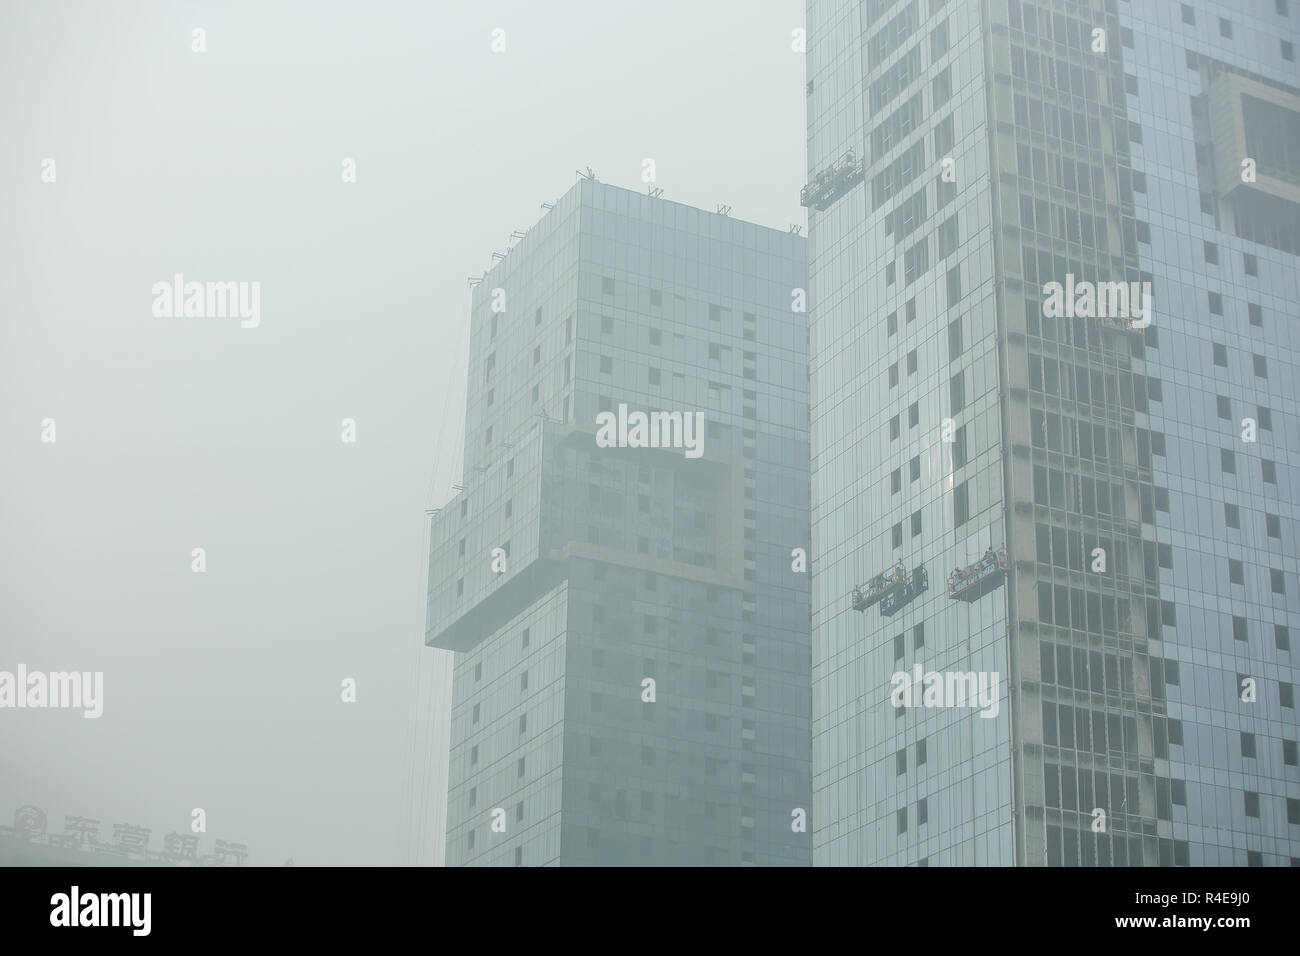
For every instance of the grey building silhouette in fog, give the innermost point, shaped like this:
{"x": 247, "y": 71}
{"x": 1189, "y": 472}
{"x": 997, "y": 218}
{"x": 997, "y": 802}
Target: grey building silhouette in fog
{"x": 632, "y": 679}
{"x": 1099, "y": 489}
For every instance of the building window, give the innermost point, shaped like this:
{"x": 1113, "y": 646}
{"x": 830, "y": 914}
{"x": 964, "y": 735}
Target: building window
{"x": 916, "y": 261}
{"x": 944, "y": 136}
{"x": 941, "y": 88}
{"x": 938, "y": 41}
{"x": 960, "y": 505}
{"x": 947, "y": 240}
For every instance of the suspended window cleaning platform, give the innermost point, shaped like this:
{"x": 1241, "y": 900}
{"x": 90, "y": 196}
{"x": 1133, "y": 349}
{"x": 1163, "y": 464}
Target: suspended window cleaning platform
{"x": 833, "y": 182}
{"x": 973, "y": 582}
{"x": 1121, "y": 324}
{"x": 891, "y": 589}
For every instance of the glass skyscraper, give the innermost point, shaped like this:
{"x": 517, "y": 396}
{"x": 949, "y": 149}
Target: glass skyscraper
{"x": 631, "y": 605}
{"x": 1053, "y": 279}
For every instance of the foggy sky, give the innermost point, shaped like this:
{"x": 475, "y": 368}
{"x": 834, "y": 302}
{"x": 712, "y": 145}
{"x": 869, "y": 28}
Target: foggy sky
{"x": 222, "y": 689}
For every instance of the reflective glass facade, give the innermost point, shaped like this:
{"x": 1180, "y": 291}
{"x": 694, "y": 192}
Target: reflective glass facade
{"x": 1148, "y": 547}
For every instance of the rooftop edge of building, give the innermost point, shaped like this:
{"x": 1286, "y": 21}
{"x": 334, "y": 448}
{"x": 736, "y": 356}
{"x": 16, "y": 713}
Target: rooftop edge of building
{"x": 586, "y": 191}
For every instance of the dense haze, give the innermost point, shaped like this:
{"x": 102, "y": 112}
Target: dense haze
{"x": 222, "y": 689}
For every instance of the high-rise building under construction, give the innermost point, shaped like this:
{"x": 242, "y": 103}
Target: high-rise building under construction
{"x": 624, "y": 572}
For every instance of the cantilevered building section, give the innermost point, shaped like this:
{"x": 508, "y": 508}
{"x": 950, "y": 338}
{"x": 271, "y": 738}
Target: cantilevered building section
{"x": 1085, "y": 489}
{"x": 632, "y": 684}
